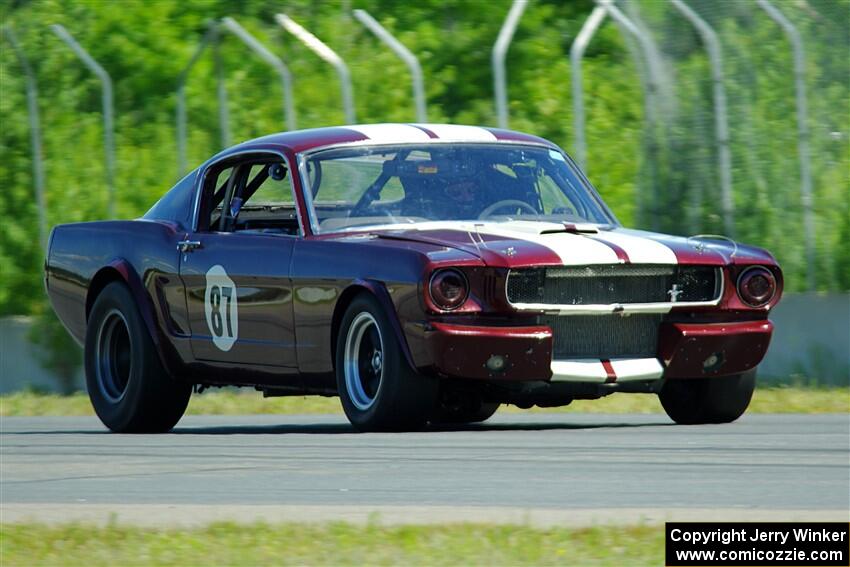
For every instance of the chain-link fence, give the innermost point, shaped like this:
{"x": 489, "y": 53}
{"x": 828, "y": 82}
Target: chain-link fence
{"x": 774, "y": 139}
{"x": 692, "y": 110}
{"x": 653, "y": 81}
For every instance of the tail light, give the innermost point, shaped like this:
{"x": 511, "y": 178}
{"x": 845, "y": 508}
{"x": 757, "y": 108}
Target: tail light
{"x": 448, "y": 289}
{"x": 756, "y": 286}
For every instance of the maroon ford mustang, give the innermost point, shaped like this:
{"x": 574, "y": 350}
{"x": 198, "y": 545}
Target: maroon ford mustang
{"x": 422, "y": 273}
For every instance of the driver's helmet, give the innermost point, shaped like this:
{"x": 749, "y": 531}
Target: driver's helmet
{"x": 462, "y": 190}
{"x": 460, "y": 198}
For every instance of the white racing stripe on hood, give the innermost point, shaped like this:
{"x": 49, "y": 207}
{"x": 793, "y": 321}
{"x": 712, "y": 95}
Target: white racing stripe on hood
{"x": 640, "y": 250}
{"x": 402, "y": 133}
{"x": 455, "y": 132}
{"x": 572, "y": 249}
{"x": 577, "y": 250}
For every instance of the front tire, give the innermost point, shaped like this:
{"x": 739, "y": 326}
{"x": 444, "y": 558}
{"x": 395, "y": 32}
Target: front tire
{"x": 378, "y": 389}
{"x": 692, "y": 401}
{"x": 129, "y": 389}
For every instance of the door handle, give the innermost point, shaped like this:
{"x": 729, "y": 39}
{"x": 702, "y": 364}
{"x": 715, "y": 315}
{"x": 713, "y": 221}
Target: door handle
{"x": 188, "y": 245}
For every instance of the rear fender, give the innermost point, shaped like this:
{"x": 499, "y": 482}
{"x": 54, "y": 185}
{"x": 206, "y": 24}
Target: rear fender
{"x": 121, "y": 270}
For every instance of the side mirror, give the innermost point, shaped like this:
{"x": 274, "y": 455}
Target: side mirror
{"x": 277, "y": 171}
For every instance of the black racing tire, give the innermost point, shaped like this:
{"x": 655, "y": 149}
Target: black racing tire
{"x": 378, "y": 389}
{"x": 130, "y": 390}
{"x": 466, "y": 410}
{"x": 693, "y": 401}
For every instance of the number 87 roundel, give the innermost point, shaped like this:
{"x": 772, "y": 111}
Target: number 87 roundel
{"x": 221, "y": 308}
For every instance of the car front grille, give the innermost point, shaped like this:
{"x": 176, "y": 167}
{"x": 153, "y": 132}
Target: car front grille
{"x": 603, "y": 336}
{"x": 609, "y": 284}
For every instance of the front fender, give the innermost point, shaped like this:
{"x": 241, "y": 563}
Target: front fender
{"x": 379, "y": 290}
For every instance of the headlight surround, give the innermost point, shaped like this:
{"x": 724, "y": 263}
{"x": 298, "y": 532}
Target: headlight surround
{"x": 756, "y": 286}
{"x": 448, "y": 289}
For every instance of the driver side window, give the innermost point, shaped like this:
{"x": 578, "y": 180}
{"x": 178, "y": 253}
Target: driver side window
{"x": 253, "y": 194}
{"x": 216, "y": 181}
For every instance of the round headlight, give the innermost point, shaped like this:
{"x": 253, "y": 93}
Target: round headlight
{"x": 449, "y": 289}
{"x": 756, "y": 286}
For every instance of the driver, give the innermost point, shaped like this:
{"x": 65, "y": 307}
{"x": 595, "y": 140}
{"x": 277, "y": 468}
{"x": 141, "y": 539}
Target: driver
{"x": 463, "y": 198}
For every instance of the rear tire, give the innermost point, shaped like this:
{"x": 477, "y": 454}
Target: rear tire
{"x": 129, "y": 389}
{"x": 692, "y": 401}
{"x": 378, "y": 389}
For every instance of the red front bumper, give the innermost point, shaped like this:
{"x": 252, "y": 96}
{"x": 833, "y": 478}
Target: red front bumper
{"x": 690, "y": 350}
{"x": 463, "y": 351}
{"x": 686, "y": 350}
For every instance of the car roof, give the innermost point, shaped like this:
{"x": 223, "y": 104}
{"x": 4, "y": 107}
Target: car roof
{"x": 394, "y": 133}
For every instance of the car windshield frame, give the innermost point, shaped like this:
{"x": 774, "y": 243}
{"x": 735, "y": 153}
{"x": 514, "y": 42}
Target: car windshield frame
{"x": 358, "y": 149}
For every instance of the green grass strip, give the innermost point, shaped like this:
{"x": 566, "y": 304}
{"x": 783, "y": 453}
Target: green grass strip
{"x": 329, "y": 544}
{"x": 765, "y": 400}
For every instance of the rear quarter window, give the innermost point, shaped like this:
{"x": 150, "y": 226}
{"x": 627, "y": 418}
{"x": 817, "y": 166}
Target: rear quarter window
{"x": 177, "y": 204}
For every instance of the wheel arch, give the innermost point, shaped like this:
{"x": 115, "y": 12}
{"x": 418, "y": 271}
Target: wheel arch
{"x": 378, "y": 290}
{"x": 120, "y": 270}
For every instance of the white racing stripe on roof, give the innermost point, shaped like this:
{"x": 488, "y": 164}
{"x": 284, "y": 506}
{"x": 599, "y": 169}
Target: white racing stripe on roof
{"x": 640, "y": 250}
{"x": 454, "y": 132}
{"x": 403, "y": 133}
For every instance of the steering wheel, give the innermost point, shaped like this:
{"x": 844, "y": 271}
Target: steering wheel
{"x": 506, "y": 203}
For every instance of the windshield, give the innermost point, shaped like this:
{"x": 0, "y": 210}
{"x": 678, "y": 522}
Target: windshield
{"x": 354, "y": 188}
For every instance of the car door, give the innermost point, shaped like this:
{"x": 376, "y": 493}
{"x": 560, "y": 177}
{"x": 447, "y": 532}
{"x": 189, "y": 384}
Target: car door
{"x": 236, "y": 274}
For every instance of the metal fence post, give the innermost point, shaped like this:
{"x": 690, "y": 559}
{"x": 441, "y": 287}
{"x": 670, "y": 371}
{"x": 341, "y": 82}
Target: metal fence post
{"x": 721, "y": 120}
{"x": 221, "y": 91}
{"x": 209, "y": 36}
{"x": 35, "y": 136}
{"x": 806, "y": 196}
{"x": 404, "y": 54}
{"x": 500, "y": 49}
{"x": 650, "y": 91}
{"x": 327, "y": 54}
{"x": 597, "y": 16}
{"x": 108, "y": 121}
{"x": 283, "y": 72}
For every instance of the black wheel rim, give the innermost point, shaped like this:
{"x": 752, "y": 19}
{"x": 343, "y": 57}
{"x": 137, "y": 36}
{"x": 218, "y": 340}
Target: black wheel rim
{"x": 114, "y": 359}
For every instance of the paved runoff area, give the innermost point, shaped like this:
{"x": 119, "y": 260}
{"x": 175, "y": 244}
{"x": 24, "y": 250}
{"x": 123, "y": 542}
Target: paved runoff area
{"x": 539, "y": 469}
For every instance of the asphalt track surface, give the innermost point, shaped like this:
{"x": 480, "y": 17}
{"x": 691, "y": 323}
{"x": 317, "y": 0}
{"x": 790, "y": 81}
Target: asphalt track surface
{"x": 535, "y": 468}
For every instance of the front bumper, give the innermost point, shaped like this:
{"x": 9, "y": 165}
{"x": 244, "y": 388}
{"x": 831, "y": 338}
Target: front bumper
{"x": 715, "y": 349}
{"x": 685, "y": 350}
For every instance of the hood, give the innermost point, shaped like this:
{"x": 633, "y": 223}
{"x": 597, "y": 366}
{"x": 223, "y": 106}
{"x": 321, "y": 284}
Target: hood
{"x": 515, "y": 244}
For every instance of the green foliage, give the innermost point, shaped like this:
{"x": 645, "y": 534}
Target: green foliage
{"x": 145, "y": 45}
